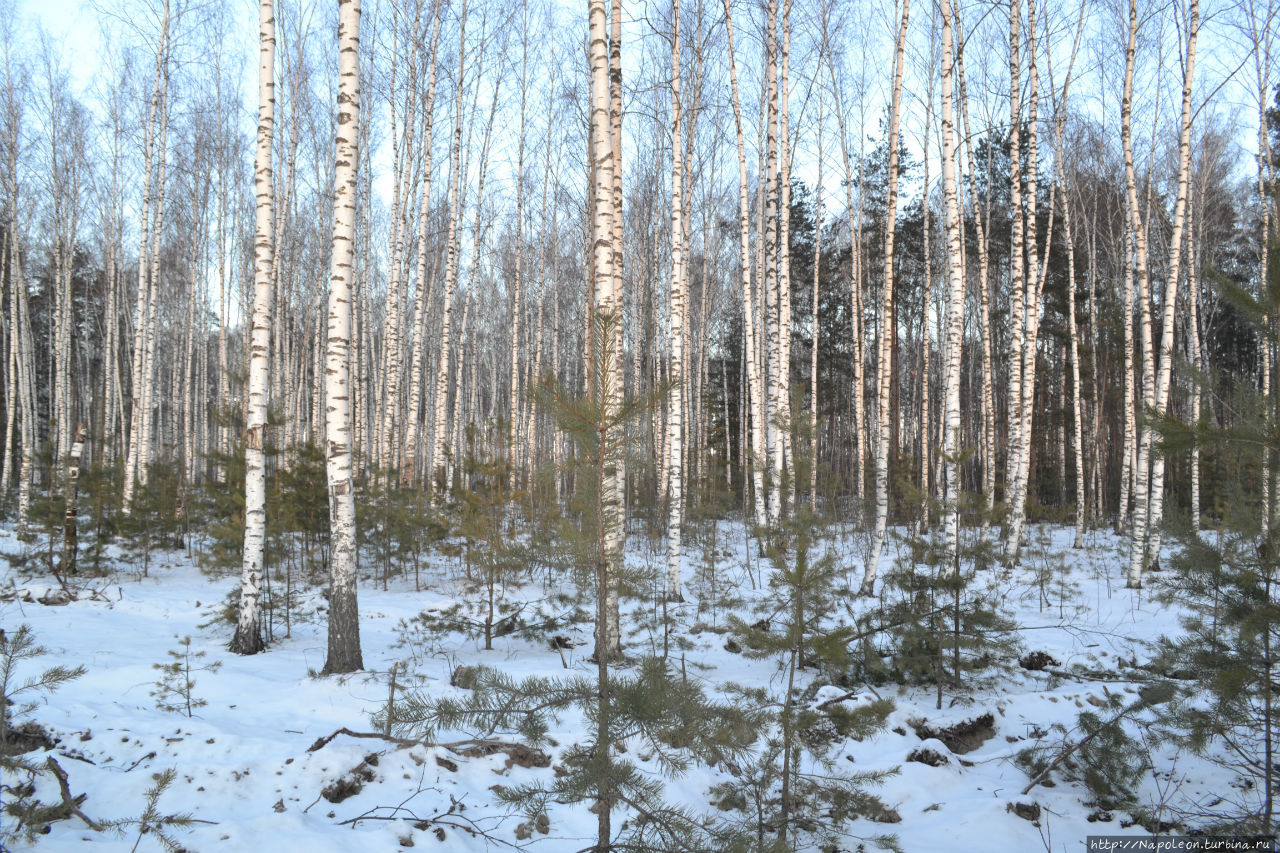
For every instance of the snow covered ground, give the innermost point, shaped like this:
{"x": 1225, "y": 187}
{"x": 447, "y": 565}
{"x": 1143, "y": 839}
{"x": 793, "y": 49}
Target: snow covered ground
{"x": 244, "y": 770}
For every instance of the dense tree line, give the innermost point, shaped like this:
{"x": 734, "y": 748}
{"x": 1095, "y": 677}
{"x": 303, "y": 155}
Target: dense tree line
{"x": 966, "y": 252}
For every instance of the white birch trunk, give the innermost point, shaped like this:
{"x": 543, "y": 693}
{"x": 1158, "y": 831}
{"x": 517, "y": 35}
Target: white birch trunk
{"x": 248, "y": 637}
{"x": 602, "y": 214}
{"x": 755, "y": 391}
{"x": 436, "y": 461}
{"x": 786, "y": 467}
{"x": 988, "y": 456}
{"x": 1073, "y": 343}
{"x": 676, "y": 373}
{"x": 70, "y": 544}
{"x": 133, "y": 463}
{"x": 950, "y": 486}
{"x": 1193, "y": 346}
{"x": 885, "y": 333}
{"x": 813, "y": 350}
{"x": 344, "y": 620}
{"x": 776, "y": 383}
{"x": 1155, "y": 516}
{"x": 409, "y": 472}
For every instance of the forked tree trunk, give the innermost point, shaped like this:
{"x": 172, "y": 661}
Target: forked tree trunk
{"x": 135, "y": 462}
{"x": 884, "y": 366}
{"x": 754, "y": 389}
{"x": 1173, "y": 266}
{"x": 980, "y": 218}
{"x": 436, "y": 467}
{"x": 409, "y": 471}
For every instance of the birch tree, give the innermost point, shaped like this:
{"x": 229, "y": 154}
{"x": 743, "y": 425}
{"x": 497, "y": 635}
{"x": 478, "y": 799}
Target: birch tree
{"x": 1017, "y": 290}
{"x": 20, "y": 399}
{"x": 885, "y": 331}
{"x": 679, "y": 296}
{"x": 148, "y": 265}
{"x": 344, "y": 618}
{"x": 418, "y": 353}
{"x": 950, "y": 486}
{"x": 248, "y": 637}
{"x": 755, "y": 391}
{"x": 601, "y": 215}
{"x": 1146, "y": 538}
{"x": 70, "y": 537}
{"x": 981, "y": 218}
{"x": 436, "y": 466}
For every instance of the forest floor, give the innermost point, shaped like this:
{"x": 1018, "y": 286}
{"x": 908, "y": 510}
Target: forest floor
{"x": 244, "y": 769}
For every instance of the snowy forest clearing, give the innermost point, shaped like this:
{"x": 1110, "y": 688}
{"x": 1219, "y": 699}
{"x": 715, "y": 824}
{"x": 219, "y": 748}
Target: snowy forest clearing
{"x": 244, "y": 769}
{"x": 477, "y": 336}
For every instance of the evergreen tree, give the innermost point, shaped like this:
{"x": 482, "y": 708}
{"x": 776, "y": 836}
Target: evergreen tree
{"x": 1228, "y": 659}
{"x": 655, "y": 713}
{"x": 18, "y": 698}
{"x": 156, "y": 519}
{"x": 783, "y": 796}
{"x": 483, "y": 502}
{"x": 940, "y": 625}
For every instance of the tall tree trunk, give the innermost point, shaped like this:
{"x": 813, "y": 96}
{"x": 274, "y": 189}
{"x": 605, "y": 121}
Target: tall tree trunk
{"x": 926, "y": 343}
{"x": 859, "y": 414}
{"x": 1193, "y": 355}
{"x": 1138, "y": 241}
{"x": 409, "y": 471}
{"x": 514, "y": 446}
{"x": 950, "y": 486}
{"x": 1155, "y": 515}
{"x": 1073, "y": 342}
{"x": 679, "y": 293}
{"x": 436, "y": 465}
{"x": 776, "y": 384}
{"x": 884, "y": 331}
{"x": 1017, "y": 282}
{"x": 813, "y": 349}
{"x": 248, "y": 637}
{"x": 1025, "y": 316}
{"x": 786, "y": 468}
{"x": 755, "y": 391}
{"x": 344, "y": 616}
{"x": 135, "y": 463}
{"x": 980, "y": 220}
{"x": 601, "y": 217}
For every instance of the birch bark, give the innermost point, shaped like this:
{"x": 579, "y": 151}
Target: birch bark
{"x": 248, "y": 637}
{"x": 409, "y": 472}
{"x": 436, "y": 465}
{"x": 676, "y": 374}
{"x": 1164, "y": 376}
{"x": 950, "y": 486}
{"x": 757, "y": 457}
{"x": 344, "y": 619}
{"x": 884, "y": 366}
